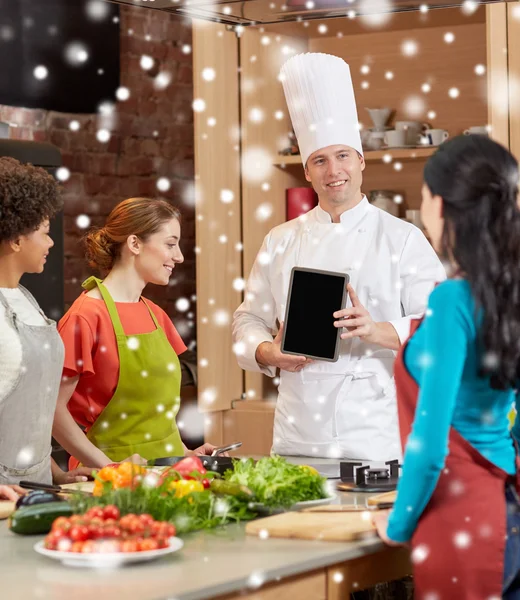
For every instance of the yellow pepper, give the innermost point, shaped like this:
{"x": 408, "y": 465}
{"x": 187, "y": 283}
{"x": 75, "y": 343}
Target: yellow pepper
{"x": 183, "y": 487}
{"x": 310, "y": 470}
{"x": 120, "y": 476}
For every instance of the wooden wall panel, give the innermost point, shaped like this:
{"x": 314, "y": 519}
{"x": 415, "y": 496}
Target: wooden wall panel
{"x": 217, "y": 168}
{"x": 261, "y": 91}
{"x": 442, "y": 65}
{"x": 497, "y": 76}
{"x": 513, "y": 53}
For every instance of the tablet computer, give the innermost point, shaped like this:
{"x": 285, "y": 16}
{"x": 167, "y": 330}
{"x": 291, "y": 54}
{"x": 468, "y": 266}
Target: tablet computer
{"x": 314, "y": 296}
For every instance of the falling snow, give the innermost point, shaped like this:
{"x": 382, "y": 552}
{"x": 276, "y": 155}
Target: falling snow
{"x": 462, "y": 540}
{"x": 76, "y": 54}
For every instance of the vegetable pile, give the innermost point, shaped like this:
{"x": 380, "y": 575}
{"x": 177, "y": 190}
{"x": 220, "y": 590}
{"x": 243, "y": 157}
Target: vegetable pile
{"x": 104, "y": 530}
{"x": 277, "y": 483}
{"x": 183, "y": 498}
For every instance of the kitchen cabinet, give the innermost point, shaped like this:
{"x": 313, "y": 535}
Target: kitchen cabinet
{"x": 242, "y": 123}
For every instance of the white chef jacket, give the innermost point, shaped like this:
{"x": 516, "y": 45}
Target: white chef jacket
{"x": 346, "y": 408}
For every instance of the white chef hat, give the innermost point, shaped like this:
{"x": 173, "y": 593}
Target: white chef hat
{"x": 319, "y": 93}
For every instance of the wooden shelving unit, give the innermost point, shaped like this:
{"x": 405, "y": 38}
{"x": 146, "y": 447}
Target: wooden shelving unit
{"x": 371, "y": 155}
{"x": 247, "y": 85}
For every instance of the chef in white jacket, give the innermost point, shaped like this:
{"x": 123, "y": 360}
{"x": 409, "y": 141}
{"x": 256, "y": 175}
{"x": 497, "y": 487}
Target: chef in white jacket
{"x": 346, "y": 408}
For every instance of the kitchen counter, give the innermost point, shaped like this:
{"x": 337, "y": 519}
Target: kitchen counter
{"x": 223, "y": 563}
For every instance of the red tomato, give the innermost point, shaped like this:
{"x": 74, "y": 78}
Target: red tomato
{"x": 61, "y": 523}
{"x": 50, "y": 544}
{"x": 111, "y": 512}
{"x": 148, "y": 544}
{"x": 165, "y": 530}
{"x": 96, "y": 512}
{"x": 129, "y": 546}
{"x": 76, "y": 547}
{"x": 88, "y": 547}
{"x": 75, "y": 519}
{"x": 162, "y": 542}
{"x": 125, "y": 521}
{"x": 79, "y": 533}
{"x": 155, "y": 527}
{"x": 112, "y": 531}
{"x": 146, "y": 519}
{"x": 95, "y": 531}
{"x": 136, "y": 527}
{"x": 206, "y": 483}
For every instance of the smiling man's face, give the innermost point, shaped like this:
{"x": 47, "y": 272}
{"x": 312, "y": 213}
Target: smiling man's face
{"x": 336, "y": 174}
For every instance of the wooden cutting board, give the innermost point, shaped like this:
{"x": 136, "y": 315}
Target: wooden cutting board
{"x": 381, "y": 498}
{"x": 332, "y": 527}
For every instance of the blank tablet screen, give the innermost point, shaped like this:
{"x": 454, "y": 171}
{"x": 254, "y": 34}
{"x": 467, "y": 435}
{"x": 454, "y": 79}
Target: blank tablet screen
{"x": 309, "y": 325}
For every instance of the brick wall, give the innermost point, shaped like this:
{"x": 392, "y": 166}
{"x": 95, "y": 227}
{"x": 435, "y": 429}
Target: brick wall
{"x": 151, "y": 137}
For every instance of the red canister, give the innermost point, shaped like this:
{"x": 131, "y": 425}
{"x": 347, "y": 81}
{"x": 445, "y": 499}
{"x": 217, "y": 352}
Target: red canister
{"x": 299, "y": 201}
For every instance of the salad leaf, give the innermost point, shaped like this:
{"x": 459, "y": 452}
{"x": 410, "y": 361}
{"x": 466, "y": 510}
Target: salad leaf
{"x": 276, "y": 482}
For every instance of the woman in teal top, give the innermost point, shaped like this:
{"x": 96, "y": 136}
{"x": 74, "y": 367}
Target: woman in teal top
{"x": 463, "y": 360}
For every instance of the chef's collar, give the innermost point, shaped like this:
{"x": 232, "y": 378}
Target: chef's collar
{"x": 348, "y": 217}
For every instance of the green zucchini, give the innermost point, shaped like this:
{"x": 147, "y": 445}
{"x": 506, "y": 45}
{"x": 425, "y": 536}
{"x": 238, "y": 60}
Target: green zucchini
{"x": 228, "y": 488}
{"x": 38, "y": 518}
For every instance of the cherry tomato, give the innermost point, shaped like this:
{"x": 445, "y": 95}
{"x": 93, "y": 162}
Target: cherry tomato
{"x": 148, "y": 544}
{"x": 206, "y": 483}
{"x": 136, "y": 527}
{"x": 58, "y": 533}
{"x": 111, "y": 512}
{"x": 88, "y": 547}
{"x": 50, "y": 544}
{"x": 162, "y": 542}
{"x": 79, "y": 533}
{"x": 61, "y": 523}
{"x": 112, "y": 531}
{"x": 96, "y": 512}
{"x": 95, "y": 531}
{"x": 76, "y": 547}
{"x": 170, "y": 530}
{"x": 108, "y": 522}
{"x": 125, "y": 521}
{"x": 155, "y": 527}
{"x": 129, "y": 546}
{"x": 76, "y": 519}
{"x": 146, "y": 519}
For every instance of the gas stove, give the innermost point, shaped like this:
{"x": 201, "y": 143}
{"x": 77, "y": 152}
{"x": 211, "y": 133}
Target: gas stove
{"x": 362, "y": 477}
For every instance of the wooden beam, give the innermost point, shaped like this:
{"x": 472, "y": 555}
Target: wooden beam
{"x": 218, "y": 214}
{"x": 497, "y": 72}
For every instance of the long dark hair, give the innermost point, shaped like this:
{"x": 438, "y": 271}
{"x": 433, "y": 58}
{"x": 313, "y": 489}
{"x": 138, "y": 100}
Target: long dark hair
{"x": 477, "y": 179}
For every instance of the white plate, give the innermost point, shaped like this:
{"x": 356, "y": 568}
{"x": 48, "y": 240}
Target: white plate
{"x": 107, "y": 560}
{"x": 262, "y": 509}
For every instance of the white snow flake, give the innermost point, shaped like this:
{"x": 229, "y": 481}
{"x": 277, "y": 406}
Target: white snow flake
{"x": 462, "y": 540}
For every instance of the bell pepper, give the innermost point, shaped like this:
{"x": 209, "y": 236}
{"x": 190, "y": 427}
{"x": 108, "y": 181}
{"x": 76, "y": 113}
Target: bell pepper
{"x": 120, "y": 475}
{"x": 310, "y": 470}
{"x": 189, "y": 465}
{"x": 183, "y": 487}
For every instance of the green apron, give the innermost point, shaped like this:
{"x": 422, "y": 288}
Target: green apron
{"x": 140, "y": 417}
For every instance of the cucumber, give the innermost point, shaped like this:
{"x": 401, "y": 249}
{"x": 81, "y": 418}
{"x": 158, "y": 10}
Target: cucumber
{"x": 228, "y": 488}
{"x": 38, "y": 518}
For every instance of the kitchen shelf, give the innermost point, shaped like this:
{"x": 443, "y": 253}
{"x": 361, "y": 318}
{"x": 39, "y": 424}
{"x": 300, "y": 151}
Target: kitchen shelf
{"x": 371, "y": 155}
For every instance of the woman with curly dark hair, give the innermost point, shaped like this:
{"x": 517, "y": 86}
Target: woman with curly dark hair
{"x": 31, "y": 351}
{"x": 456, "y": 378}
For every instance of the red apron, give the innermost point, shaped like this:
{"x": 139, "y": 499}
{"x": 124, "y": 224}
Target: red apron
{"x": 459, "y": 543}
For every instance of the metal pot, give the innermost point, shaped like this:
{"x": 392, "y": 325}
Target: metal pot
{"x": 385, "y": 200}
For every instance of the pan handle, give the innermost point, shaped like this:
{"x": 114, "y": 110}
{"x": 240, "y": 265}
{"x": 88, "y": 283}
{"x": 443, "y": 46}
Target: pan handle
{"x": 223, "y": 449}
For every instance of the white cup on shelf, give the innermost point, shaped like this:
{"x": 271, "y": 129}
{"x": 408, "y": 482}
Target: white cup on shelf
{"x": 437, "y": 136}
